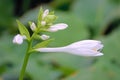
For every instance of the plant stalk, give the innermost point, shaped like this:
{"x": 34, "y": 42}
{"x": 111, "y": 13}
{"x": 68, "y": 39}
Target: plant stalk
{"x": 25, "y": 62}
{"x": 26, "y": 58}
{"x": 24, "y": 67}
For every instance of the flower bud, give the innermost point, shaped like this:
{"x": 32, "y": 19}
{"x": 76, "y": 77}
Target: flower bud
{"x": 43, "y": 23}
{"x": 33, "y": 26}
{"x": 45, "y": 13}
{"x": 56, "y": 27}
{"x": 44, "y": 37}
{"x": 18, "y": 39}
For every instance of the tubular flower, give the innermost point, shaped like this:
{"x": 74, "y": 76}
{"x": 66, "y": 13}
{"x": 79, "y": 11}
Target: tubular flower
{"x": 44, "y": 37}
{"x": 18, "y": 39}
{"x": 82, "y": 48}
{"x": 56, "y": 27}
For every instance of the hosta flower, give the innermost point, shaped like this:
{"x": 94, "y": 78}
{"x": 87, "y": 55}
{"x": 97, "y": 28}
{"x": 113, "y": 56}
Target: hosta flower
{"x": 33, "y": 26}
{"x": 18, "y": 39}
{"x": 57, "y": 27}
{"x": 44, "y": 37}
{"x": 45, "y": 13}
{"x": 82, "y": 48}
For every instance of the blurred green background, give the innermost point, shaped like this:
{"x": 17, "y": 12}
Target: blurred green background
{"x": 87, "y": 19}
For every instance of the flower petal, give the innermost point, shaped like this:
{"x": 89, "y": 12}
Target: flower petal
{"x": 57, "y": 27}
{"x": 99, "y": 46}
{"x": 18, "y": 39}
{"x": 85, "y": 43}
{"x": 100, "y": 54}
{"x": 82, "y": 52}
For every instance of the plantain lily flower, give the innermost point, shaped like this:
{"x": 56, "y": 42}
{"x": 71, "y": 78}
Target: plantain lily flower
{"x": 56, "y": 27}
{"x": 82, "y": 48}
{"x": 18, "y": 39}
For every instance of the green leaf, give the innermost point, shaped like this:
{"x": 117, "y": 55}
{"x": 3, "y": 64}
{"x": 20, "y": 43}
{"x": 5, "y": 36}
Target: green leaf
{"x": 40, "y": 14}
{"x": 23, "y": 30}
{"x": 43, "y": 44}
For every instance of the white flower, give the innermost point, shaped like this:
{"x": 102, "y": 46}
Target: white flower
{"x": 18, "y": 39}
{"x": 57, "y": 27}
{"x": 45, "y": 13}
{"x": 44, "y": 37}
{"x": 82, "y": 48}
{"x": 33, "y": 26}
{"x": 43, "y": 23}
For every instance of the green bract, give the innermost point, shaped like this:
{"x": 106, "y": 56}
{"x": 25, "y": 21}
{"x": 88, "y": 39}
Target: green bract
{"x": 40, "y": 17}
{"x": 43, "y": 44}
{"x": 23, "y": 30}
{"x": 50, "y": 18}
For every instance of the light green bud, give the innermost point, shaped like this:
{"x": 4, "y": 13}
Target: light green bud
{"x": 50, "y": 18}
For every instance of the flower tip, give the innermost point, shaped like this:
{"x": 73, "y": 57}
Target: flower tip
{"x": 63, "y": 26}
{"x": 100, "y": 54}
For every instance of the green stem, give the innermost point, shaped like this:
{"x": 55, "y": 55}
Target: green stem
{"x": 25, "y": 62}
{"x": 26, "y": 58}
{"x": 24, "y": 67}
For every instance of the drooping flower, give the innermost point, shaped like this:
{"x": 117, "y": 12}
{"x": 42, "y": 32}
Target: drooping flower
{"x": 82, "y": 48}
{"x": 33, "y": 26}
{"x": 18, "y": 39}
{"x": 44, "y": 37}
{"x": 56, "y": 27}
{"x": 45, "y": 13}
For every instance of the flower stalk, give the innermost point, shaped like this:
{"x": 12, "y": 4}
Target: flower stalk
{"x": 44, "y": 20}
{"x": 25, "y": 62}
{"x": 24, "y": 66}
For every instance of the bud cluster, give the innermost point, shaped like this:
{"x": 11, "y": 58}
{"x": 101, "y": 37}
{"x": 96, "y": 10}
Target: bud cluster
{"x": 45, "y": 24}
